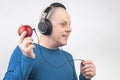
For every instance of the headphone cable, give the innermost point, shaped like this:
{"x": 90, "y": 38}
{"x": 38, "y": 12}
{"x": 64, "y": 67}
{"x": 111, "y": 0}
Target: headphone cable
{"x": 36, "y": 34}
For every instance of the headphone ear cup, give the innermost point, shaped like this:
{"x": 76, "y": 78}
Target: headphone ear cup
{"x": 49, "y": 27}
{"x": 45, "y": 27}
{"x": 42, "y": 27}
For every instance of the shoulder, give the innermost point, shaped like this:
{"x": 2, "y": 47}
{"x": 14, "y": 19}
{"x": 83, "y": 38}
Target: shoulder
{"x": 17, "y": 51}
{"x": 67, "y": 54}
{"x": 36, "y": 46}
{"x": 37, "y": 49}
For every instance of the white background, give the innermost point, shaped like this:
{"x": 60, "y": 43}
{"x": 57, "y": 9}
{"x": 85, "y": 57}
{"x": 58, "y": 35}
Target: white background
{"x": 95, "y": 35}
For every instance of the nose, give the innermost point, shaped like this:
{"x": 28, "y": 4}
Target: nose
{"x": 69, "y": 28}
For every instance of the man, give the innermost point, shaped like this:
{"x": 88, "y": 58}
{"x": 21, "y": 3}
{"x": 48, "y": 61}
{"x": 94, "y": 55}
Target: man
{"x": 45, "y": 61}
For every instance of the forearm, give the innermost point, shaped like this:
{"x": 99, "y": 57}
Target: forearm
{"x": 21, "y": 72}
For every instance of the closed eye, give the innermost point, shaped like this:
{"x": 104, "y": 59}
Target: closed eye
{"x": 63, "y": 24}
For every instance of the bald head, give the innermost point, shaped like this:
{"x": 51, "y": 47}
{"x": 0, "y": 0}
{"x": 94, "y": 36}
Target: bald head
{"x": 58, "y": 14}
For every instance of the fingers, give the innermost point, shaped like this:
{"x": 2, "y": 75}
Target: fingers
{"x": 86, "y": 62}
{"x": 88, "y": 72}
{"x": 22, "y": 36}
{"x": 86, "y": 65}
{"x": 29, "y": 51}
{"x": 27, "y": 41}
{"x": 26, "y": 45}
{"x": 29, "y": 48}
{"x": 88, "y": 69}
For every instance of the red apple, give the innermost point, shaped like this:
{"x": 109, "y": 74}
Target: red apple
{"x": 26, "y": 28}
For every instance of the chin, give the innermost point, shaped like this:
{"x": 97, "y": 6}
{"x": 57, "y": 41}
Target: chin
{"x": 63, "y": 44}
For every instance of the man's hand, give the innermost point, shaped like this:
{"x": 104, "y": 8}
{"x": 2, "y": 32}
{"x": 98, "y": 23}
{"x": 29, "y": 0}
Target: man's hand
{"x": 88, "y": 69}
{"x": 26, "y": 45}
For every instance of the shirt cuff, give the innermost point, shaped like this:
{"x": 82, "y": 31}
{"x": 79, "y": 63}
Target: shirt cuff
{"x": 81, "y": 77}
{"x": 27, "y": 59}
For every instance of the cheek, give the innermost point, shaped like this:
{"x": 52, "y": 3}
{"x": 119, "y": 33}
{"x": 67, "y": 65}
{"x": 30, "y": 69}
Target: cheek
{"x": 56, "y": 31}
{"x": 55, "y": 34}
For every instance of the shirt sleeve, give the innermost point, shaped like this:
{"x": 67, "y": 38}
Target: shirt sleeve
{"x": 70, "y": 58}
{"x": 81, "y": 77}
{"x": 19, "y": 66}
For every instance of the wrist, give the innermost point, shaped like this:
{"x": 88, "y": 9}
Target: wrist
{"x": 81, "y": 77}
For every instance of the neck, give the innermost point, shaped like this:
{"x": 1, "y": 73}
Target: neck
{"x": 47, "y": 42}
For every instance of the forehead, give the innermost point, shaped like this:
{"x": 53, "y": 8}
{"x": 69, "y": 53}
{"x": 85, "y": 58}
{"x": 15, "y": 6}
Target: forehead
{"x": 60, "y": 13}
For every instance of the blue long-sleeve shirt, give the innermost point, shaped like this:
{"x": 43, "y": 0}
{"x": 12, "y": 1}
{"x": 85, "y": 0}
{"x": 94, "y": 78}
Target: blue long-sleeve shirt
{"x": 47, "y": 65}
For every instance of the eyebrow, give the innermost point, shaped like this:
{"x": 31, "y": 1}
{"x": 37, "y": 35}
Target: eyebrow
{"x": 66, "y": 21}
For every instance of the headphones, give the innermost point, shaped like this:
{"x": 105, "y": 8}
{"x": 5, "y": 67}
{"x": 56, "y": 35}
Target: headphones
{"x": 45, "y": 25}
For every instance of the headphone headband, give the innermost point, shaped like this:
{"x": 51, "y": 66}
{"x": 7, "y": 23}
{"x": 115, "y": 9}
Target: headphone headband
{"x": 58, "y": 5}
{"x": 48, "y": 9}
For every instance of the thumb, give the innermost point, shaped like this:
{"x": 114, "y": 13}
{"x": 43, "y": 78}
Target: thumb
{"x": 22, "y": 36}
{"x": 82, "y": 62}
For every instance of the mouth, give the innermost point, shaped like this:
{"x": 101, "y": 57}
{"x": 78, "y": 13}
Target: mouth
{"x": 65, "y": 36}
